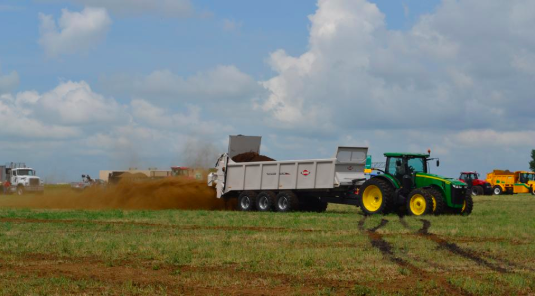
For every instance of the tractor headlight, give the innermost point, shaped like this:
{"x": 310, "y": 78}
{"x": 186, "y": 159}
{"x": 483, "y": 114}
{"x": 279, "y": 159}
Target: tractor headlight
{"x": 457, "y": 186}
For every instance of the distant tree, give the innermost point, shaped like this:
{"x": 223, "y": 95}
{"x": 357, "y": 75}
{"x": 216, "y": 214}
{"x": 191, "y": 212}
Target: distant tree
{"x": 532, "y": 162}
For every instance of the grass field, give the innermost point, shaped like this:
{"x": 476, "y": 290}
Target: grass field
{"x": 115, "y": 252}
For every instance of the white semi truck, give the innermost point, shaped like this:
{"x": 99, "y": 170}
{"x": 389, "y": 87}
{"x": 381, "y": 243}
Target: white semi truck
{"x": 288, "y": 185}
{"x": 19, "y": 179}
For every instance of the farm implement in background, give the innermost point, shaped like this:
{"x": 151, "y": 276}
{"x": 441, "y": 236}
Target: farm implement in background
{"x": 507, "y": 182}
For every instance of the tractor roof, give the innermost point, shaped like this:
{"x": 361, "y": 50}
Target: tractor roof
{"x": 400, "y": 154}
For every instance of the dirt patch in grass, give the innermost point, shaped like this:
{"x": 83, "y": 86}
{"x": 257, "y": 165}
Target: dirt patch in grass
{"x": 173, "y": 226}
{"x": 173, "y": 279}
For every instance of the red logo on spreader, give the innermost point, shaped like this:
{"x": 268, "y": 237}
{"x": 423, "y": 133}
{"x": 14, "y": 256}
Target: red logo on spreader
{"x": 305, "y": 173}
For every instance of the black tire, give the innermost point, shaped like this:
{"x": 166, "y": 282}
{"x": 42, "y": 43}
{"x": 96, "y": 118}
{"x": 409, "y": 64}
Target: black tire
{"x": 468, "y": 205}
{"x": 287, "y": 201}
{"x": 532, "y": 190}
{"x": 368, "y": 202}
{"x": 497, "y": 190}
{"x": 419, "y": 202}
{"x": 247, "y": 201}
{"x": 439, "y": 205}
{"x": 265, "y": 201}
{"x": 477, "y": 190}
{"x": 20, "y": 190}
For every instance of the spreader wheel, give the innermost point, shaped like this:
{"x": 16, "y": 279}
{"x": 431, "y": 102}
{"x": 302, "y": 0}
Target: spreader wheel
{"x": 497, "y": 190}
{"x": 247, "y": 201}
{"x": 287, "y": 201}
{"x": 265, "y": 201}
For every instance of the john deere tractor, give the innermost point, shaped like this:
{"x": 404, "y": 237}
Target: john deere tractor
{"x": 406, "y": 183}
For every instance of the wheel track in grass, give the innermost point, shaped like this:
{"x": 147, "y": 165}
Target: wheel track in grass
{"x": 456, "y": 249}
{"x": 386, "y": 249}
{"x": 466, "y": 252}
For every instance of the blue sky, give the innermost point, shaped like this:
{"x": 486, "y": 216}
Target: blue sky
{"x": 93, "y": 84}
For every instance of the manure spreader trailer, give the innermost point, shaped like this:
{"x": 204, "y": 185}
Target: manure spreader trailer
{"x": 288, "y": 185}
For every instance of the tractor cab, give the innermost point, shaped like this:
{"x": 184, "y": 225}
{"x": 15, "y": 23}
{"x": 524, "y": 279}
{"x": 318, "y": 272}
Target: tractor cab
{"x": 405, "y": 166}
{"x": 468, "y": 177}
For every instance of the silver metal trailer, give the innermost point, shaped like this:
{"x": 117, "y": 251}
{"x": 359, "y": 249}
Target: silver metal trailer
{"x": 288, "y": 185}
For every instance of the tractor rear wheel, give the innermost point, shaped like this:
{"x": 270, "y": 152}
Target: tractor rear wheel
{"x": 265, "y": 201}
{"x": 375, "y": 197}
{"x": 438, "y": 201}
{"x": 497, "y": 190}
{"x": 419, "y": 202}
{"x": 468, "y": 205}
{"x": 247, "y": 201}
{"x": 477, "y": 190}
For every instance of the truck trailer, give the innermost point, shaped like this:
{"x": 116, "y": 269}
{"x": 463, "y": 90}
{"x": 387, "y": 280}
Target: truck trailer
{"x": 288, "y": 185}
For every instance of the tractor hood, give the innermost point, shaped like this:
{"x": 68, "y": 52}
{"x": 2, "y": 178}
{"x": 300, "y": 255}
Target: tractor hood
{"x": 441, "y": 178}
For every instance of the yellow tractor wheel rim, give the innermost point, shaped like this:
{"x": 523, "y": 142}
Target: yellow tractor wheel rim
{"x": 464, "y": 206}
{"x": 434, "y": 204}
{"x": 418, "y": 204}
{"x": 372, "y": 198}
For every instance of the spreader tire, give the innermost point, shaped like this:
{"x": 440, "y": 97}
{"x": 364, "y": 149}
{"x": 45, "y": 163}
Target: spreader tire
{"x": 265, "y": 201}
{"x": 376, "y": 197}
{"x": 247, "y": 201}
{"x": 497, "y": 190}
{"x": 438, "y": 201}
{"x": 419, "y": 202}
{"x": 287, "y": 201}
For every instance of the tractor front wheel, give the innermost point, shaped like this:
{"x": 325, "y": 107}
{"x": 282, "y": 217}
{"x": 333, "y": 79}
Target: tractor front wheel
{"x": 375, "y": 196}
{"x": 468, "y": 205}
{"x": 438, "y": 201}
{"x": 419, "y": 202}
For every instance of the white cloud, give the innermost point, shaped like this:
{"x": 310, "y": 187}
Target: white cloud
{"x": 457, "y": 68}
{"x": 219, "y": 83}
{"x": 165, "y": 8}
{"x": 8, "y": 82}
{"x": 75, "y": 31}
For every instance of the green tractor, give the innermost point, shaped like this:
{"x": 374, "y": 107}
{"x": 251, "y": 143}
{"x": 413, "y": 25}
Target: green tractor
{"x": 406, "y": 182}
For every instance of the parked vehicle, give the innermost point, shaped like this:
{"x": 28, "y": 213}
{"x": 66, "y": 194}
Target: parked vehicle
{"x": 502, "y": 182}
{"x": 524, "y": 182}
{"x": 20, "y": 179}
{"x": 86, "y": 182}
{"x": 476, "y": 185}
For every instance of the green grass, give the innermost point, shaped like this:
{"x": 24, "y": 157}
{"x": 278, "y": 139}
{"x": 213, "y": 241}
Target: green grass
{"x": 117, "y": 252}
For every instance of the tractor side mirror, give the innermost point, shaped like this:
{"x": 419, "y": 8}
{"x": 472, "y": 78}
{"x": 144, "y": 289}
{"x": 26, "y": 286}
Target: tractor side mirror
{"x": 438, "y": 162}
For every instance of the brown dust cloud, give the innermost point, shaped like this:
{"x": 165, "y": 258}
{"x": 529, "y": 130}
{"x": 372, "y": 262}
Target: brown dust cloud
{"x": 167, "y": 193}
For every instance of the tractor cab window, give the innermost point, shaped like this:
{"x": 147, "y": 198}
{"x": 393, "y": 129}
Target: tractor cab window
{"x": 463, "y": 177}
{"x": 524, "y": 178}
{"x": 395, "y": 167}
{"x": 417, "y": 165}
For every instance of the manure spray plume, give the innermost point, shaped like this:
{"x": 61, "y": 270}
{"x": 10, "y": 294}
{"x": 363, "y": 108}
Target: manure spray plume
{"x": 168, "y": 193}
